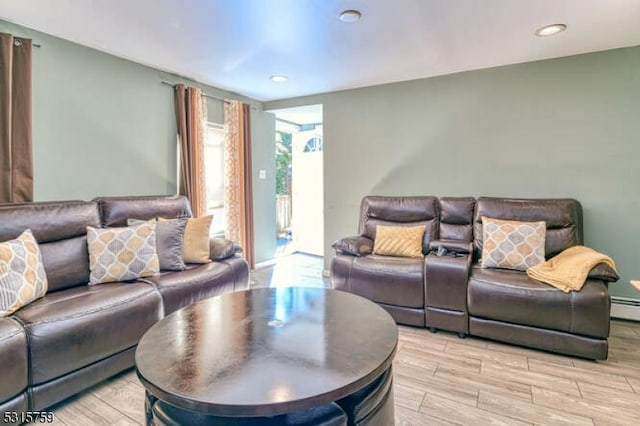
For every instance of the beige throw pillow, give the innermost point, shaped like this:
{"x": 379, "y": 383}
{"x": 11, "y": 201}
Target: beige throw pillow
{"x": 196, "y": 240}
{"x": 22, "y": 275}
{"x": 122, "y": 254}
{"x": 511, "y": 244}
{"x": 402, "y": 241}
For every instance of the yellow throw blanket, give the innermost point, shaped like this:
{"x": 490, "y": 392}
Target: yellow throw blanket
{"x": 568, "y": 270}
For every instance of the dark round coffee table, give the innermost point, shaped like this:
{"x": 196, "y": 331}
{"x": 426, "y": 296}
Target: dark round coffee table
{"x": 266, "y": 352}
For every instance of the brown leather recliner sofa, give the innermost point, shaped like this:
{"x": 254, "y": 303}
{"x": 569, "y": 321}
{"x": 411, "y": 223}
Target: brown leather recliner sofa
{"x": 447, "y": 289}
{"x": 78, "y": 335}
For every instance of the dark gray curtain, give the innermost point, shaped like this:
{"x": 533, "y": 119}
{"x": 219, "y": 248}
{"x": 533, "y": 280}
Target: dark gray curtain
{"x": 16, "y": 153}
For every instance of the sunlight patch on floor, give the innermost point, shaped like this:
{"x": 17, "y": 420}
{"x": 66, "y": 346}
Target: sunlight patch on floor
{"x": 294, "y": 270}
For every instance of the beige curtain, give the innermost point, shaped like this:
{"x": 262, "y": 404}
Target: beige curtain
{"x": 191, "y": 113}
{"x": 16, "y": 155}
{"x": 237, "y": 177}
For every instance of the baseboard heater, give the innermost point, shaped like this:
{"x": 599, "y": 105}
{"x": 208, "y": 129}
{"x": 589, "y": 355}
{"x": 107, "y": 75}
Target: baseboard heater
{"x": 625, "y": 308}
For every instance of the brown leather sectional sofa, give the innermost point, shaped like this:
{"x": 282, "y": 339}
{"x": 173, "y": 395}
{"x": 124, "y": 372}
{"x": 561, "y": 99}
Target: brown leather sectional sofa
{"x": 447, "y": 289}
{"x": 79, "y": 335}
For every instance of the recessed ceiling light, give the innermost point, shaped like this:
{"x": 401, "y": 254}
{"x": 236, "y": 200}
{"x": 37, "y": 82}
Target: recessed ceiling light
{"x": 351, "y": 15}
{"x": 279, "y": 78}
{"x": 550, "y": 30}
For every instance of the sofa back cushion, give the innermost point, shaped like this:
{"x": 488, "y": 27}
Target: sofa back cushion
{"x": 563, "y": 217}
{"x": 399, "y": 211}
{"x": 456, "y": 218}
{"x": 61, "y": 231}
{"x": 115, "y": 211}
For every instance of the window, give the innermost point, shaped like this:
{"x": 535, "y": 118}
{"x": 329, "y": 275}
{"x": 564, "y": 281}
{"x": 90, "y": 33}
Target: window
{"x": 314, "y": 144}
{"x": 214, "y": 176}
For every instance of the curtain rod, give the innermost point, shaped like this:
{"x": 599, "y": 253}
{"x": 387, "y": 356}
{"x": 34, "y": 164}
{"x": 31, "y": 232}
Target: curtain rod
{"x": 206, "y": 95}
{"x": 202, "y": 94}
{"x": 17, "y": 41}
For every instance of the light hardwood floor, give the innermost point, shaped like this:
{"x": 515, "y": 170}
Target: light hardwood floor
{"x": 440, "y": 379}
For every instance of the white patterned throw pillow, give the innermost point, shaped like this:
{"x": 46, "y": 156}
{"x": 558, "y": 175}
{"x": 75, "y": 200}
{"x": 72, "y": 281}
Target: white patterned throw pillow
{"x": 122, "y": 254}
{"x": 511, "y": 244}
{"x": 22, "y": 275}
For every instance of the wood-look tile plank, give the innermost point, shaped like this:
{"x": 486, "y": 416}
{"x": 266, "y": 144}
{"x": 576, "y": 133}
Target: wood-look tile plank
{"x": 624, "y": 329}
{"x": 129, "y": 399}
{"x": 112, "y": 383}
{"x": 406, "y": 417}
{"x": 406, "y": 396}
{"x": 133, "y": 378}
{"x": 591, "y": 375}
{"x": 484, "y": 381}
{"x": 439, "y": 386}
{"x": 624, "y": 348}
{"x": 486, "y": 354}
{"x": 69, "y": 411}
{"x": 614, "y": 397}
{"x": 634, "y": 383}
{"x": 425, "y": 367}
{"x": 625, "y": 358}
{"x": 530, "y": 353}
{"x": 448, "y": 336}
{"x": 441, "y": 357}
{"x": 628, "y": 356}
{"x": 451, "y": 410}
{"x": 57, "y": 421}
{"x": 623, "y": 343}
{"x": 617, "y": 368}
{"x": 603, "y": 422}
{"x": 405, "y": 329}
{"x": 125, "y": 421}
{"x": 420, "y": 370}
{"x": 604, "y": 410}
{"x": 543, "y": 379}
{"x": 419, "y": 341}
{"x": 88, "y": 409}
{"x": 528, "y": 411}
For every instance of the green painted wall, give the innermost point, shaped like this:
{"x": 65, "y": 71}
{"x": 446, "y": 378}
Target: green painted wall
{"x": 106, "y": 126}
{"x": 566, "y": 127}
{"x": 264, "y": 190}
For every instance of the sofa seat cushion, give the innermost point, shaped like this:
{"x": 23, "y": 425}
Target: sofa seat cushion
{"x": 513, "y": 297}
{"x": 390, "y": 280}
{"x": 200, "y": 281}
{"x": 73, "y": 328}
{"x": 14, "y": 371}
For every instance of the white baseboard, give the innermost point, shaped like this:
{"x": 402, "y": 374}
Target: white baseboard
{"x": 625, "y": 308}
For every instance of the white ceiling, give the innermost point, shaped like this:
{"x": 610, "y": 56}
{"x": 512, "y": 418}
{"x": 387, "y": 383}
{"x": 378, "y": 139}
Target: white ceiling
{"x": 306, "y": 114}
{"x": 237, "y": 44}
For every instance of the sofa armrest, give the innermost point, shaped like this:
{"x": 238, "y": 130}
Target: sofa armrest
{"x": 356, "y": 246}
{"x": 441, "y": 247}
{"x": 603, "y": 272}
{"x": 221, "y": 248}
